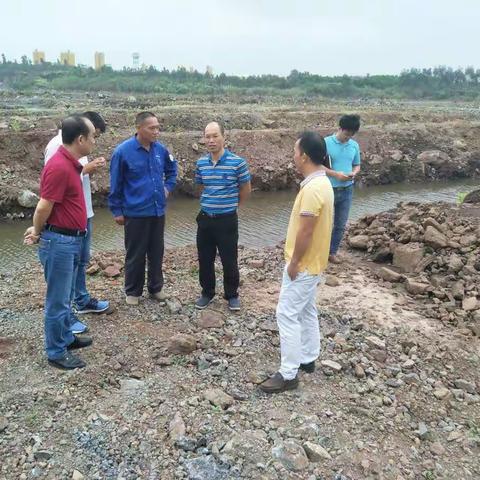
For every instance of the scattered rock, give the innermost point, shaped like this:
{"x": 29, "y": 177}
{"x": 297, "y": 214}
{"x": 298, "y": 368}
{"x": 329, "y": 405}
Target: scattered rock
{"x": 206, "y": 468}
{"x": 291, "y": 454}
{"x": 407, "y": 257}
{"x": 434, "y": 238}
{"x": 470, "y": 303}
{"x": 177, "y": 427}
{"x": 77, "y": 475}
{"x": 389, "y": 275}
{"x": 219, "y": 398}
{"x": 182, "y": 344}
{"x": 316, "y": 453}
{"x": 465, "y": 385}
{"x": 359, "y": 242}
{"x": 211, "y": 319}
{"x": 174, "y": 305}
{"x": 43, "y": 455}
{"x": 3, "y": 424}
{"x": 375, "y": 342}
{"x": 331, "y": 365}
{"x": 112, "y": 271}
{"x": 416, "y": 288}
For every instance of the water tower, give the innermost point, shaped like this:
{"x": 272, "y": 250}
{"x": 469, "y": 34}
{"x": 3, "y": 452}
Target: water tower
{"x": 136, "y": 60}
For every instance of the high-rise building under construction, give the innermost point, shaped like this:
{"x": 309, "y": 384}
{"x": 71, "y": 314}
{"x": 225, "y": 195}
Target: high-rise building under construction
{"x": 38, "y": 57}
{"x": 99, "y": 60}
{"x": 67, "y": 58}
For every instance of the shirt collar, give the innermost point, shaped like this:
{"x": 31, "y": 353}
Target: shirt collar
{"x": 316, "y": 173}
{"x": 70, "y": 157}
{"x": 225, "y": 153}
{"x": 139, "y": 146}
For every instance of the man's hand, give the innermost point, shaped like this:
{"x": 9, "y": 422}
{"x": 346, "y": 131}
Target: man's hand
{"x": 292, "y": 270}
{"x": 120, "y": 220}
{"x": 30, "y": 237}
{"x": 94, "y": 165}
{"x": 342, "y": 177}
{"x": 167, "y": 193}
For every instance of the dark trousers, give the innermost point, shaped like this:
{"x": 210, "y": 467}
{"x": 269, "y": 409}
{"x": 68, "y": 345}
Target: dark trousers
{"x": 143, "y": 240}
{"x": 218, "y": 233}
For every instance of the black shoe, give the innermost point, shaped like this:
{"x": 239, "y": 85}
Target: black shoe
{"x": 234, "y": 304}
{"x": 203, "y": 302}
{"x": 308, "y": 367}
{"x": 67, "y": 362}
{"x": 80, "y": 342}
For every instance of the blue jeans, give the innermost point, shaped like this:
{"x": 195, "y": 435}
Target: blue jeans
{"x": 59, "y": 256}
{"x": 342, "y": 203}
{"x": 81, "y": 295}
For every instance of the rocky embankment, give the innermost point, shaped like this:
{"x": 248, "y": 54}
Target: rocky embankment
{"x": 171, "y": 393}
{"x": 396, "y": 147}
{"x": 434, "y": 251}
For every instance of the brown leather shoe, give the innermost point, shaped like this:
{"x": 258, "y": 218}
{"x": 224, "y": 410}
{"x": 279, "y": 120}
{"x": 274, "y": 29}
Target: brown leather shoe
{"x": 277, "y": 384}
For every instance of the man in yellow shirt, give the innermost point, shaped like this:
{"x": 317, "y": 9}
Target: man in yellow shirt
{"x": 306, "y": 255}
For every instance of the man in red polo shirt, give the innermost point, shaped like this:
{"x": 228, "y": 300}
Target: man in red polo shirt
{"x": 59, "y": 224}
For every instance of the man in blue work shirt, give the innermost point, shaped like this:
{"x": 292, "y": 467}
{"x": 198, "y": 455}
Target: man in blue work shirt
{"x": 142, "y": 176}
{"x": 344, "y": 155}
{"x": 225, "y": 182}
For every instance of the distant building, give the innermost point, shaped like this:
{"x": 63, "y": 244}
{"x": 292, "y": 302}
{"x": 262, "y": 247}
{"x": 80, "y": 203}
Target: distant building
{"x": 38, "y": 57}
{"x": 67, "y": 58}
{"x": 136, "y": 60}
{"x": 209, "y": 70}
{"x": 99, "y": 60}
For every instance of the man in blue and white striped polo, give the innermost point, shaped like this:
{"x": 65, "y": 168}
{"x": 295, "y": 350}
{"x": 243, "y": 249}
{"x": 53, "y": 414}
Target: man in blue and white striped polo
{"x": 225, "y": 182}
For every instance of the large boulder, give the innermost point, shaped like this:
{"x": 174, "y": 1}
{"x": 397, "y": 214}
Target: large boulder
{"x": 435, "y": 158}
{"x": 27, "y": 199}
{"x": 434, "y": 238}
{"x": 408, "y": 256}
{"x": 359, "y": 242}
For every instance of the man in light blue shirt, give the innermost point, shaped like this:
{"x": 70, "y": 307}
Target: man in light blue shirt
{"x": 344, "y": 155}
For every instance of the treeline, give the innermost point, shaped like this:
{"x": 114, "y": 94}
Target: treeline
{"x": 437, "y": 83}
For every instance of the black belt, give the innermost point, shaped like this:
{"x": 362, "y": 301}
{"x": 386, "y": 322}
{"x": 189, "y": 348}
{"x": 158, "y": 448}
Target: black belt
{"x": 65, "y": 231}
{"x": 343, "y": 188}
{"x": 217, "y": 215}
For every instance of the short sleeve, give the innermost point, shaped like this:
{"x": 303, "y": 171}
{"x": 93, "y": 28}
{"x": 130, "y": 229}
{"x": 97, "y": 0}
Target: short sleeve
{"x": 312, "y": 203}
{"x": 243, "y": 173}
{"x": 198, "y": 176}
{"x": 356, "y": 159}
{"x": 53, "y": 183}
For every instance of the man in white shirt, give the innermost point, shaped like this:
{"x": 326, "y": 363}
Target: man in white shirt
{"x": 83, "y": 301}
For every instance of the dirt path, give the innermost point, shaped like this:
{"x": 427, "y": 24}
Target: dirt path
{"x": 399, "y": 401}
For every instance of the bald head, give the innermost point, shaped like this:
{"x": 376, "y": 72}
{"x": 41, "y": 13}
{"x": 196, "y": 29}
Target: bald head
{"x": 215, "y": 126}
{"x": 215, "y": 139}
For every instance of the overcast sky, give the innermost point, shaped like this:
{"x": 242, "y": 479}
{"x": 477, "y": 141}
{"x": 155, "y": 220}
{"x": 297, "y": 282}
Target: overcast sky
{"x": 249, "y": 36}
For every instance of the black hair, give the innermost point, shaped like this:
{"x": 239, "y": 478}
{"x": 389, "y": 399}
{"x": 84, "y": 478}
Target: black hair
{"x": 313, "y": 145}
{"x": 97, "y": 120}
{"x": 142, "y": 116}
{"x": 72, "y": 127}
{"x": 350, "y": 123}
{"x": 221, "y": 126}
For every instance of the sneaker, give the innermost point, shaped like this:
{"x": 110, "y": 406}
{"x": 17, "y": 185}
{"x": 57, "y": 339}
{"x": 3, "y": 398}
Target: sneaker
{"x": 203, "y": 302}
{"x": 308, "y": 367}
{"x": 80, "y": 342}
{"x": 79, "y": 327}
{"x": 277, "y": 384}
{"x": 234, "y": 304}
{"x": 93, "y": 306}
{"x": 160, "y": 296}
{"x": 132, "y": 300}
{"x": 67, "y": 362}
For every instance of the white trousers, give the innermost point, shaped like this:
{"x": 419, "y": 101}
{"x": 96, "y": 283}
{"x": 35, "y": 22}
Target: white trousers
{"x": 297, "y": 319}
